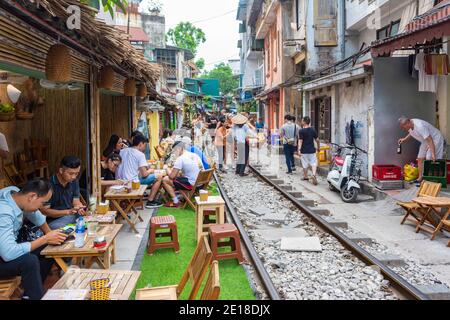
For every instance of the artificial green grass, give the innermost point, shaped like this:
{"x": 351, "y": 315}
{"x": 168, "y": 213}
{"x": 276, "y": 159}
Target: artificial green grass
{"x": 166, "y": 268}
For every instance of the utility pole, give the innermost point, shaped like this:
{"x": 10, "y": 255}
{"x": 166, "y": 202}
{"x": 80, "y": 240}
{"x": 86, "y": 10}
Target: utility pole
{"x": 129, "y": 17}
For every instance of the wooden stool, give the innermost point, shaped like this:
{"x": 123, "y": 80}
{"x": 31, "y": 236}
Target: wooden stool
{"x": 215, "y": 206}
{"x": 221, "y": 231}
{"x": 158, "y": 223}
{"x": 8, "y": 286}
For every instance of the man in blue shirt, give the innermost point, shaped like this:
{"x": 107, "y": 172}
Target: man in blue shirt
{"x": 65, "y": 204}
{"x": 24, "y": 259}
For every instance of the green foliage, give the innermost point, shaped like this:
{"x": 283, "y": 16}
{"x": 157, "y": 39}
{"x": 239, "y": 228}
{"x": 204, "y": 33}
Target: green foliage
{"x": 7, "y": 108}
{"x": 224, "y": 74}
{"x": 185, "y": 35}
{"x": 108, "y": 5}
{"x": 200, "y": 63}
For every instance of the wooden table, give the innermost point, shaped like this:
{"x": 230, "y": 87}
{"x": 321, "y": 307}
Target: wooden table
{"x": 214, "y": 203}
{"x": 123, "y": 283}
{"x": 435, "y": 218}
{"x": 108, "y": 218}
{"x": 103, "y": 256}
{"x": 131, "y": 199}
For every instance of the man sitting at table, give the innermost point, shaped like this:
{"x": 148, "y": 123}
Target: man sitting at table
{"x": 184, "y": 173}
{"x": 134, "y": 166}
{"x": 24, "y": 259}
{"x": 65, "y": 205}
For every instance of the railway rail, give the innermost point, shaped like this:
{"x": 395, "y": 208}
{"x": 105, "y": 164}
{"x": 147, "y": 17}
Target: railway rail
{"x": 399, "y": 285}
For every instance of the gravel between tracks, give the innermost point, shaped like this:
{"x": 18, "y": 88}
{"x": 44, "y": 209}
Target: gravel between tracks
{"x": 333, "y": 274}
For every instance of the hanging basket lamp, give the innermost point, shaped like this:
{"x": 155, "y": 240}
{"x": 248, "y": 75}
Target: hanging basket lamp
{"x": 129, "y": 88}
{"x": 142, "y": 90}
{"x": 106, "y": 78}
{"x": 58, "y": 64}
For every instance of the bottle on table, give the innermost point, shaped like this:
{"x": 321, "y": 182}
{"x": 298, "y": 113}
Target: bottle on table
{"x": 80, "y": 233}
{"x": 399, "y": 148}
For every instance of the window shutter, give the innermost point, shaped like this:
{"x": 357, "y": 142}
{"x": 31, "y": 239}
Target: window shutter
{"x": 325, "y": 23}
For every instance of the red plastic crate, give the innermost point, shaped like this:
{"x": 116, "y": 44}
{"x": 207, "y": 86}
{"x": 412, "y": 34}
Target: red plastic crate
{"x": 387, "y": 172}
{"x": 448, "y": 171}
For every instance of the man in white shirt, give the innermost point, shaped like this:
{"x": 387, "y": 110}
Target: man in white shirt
{"x": 134, "y": 166}
{"x": 184, "y": 173}
{"x": 431, "y": 139}
{"x": 4, "y": 150}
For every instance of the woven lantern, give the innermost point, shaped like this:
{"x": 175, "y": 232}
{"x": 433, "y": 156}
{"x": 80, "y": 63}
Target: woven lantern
{"x": 129, "y": 88}
{"x": 142, "y": 90}
{"x": 58, "y": 64}
{"x": 106, "y": 78}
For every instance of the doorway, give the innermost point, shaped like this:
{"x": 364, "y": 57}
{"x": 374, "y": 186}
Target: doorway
{"x": 321, "y": 117}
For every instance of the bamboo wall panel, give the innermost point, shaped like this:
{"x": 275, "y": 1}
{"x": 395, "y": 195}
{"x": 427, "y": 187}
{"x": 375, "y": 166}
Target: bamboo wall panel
{"x": 63, "y": 121}
{"x": 114, "y": 117}
{"x": 24, "y": 46}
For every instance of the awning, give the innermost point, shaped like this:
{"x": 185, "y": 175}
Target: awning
{"x": 265, "y": 94}
{"x": 358, "y": 72}
{"x": 434, "y": 24}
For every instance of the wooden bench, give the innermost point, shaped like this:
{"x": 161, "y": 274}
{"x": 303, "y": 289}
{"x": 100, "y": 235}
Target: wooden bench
{"x": 8, "y": 286}
{"x": 211, "y": 291}
{"x": 195, "y": 271}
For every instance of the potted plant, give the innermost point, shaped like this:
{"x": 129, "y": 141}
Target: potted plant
{"x": 29, "y": 101}
{"x": 7, "y": 112}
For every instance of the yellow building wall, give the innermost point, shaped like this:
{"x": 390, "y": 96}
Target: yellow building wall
{"x": 153, "y": 124}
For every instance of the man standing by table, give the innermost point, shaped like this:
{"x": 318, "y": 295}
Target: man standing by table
{"x": 431, "y": 139}
{"x": 24, "y": 259}
{"x": 134, "y": 166}
{"x": 65, "y": 204}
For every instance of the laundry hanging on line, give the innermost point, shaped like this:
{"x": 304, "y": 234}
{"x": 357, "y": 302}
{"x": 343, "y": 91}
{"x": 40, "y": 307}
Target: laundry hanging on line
{"x": 437, "y": 64}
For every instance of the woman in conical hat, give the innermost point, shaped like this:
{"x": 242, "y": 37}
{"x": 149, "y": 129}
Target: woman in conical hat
{"x": 241, "y": 133}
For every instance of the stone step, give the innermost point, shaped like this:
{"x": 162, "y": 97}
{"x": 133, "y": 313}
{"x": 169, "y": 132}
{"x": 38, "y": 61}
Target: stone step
{"x": 358, "y": 237}
{"x": 322, "y": 212}
{"x": 277, "y": 181}
{"x": 435, "y": 291}
{"x": 296, "y": 194}
{"x": 307, "y": 202}
{"x": 278, "y": 233}
{"x": 270, "y": 176}
{"x": 261, "y": 211}
{"x": 286, "y": 187}
{"x": 390, "y": 260}
{"x": 274, "y": 218}
{"x": 311, "y": 244}
{"x": 337, "y": 223}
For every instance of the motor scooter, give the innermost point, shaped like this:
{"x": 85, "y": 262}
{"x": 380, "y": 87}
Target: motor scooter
{"x": 345, "y": 173}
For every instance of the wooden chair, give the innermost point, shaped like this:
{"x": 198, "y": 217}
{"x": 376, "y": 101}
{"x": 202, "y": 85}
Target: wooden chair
{"x": 195, "y": 271}
{"x": 427, "y": 189}
{"x": 160, "y": 152}
{"x": 211, "y": 291}
{"x": 13, "y": 175}
{"x": 203, "y": 179}
{"x": 8, "y": 286}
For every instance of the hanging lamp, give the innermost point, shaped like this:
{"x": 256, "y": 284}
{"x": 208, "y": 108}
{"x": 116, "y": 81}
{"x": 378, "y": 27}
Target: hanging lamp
{"x": 106, "y": 78}
{"x": 129, "y": 88}
{"x": 58, "y": 64}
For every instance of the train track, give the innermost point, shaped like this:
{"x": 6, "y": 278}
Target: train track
{"x": 400, "y": 286}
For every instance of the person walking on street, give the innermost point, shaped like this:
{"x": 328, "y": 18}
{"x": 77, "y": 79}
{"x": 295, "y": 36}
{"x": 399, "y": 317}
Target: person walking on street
{"x": 307, "y": 149}
{"x": 431, "y": 139}
{"x": 289, "y": 137}
{"x": 241, "y": 133}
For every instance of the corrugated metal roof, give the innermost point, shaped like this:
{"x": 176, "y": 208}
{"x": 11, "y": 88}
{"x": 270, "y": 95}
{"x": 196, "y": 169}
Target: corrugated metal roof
{"x": 433, "y": 24}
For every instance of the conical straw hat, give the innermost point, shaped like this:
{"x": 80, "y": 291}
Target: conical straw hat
{"x": 239, "y": 119}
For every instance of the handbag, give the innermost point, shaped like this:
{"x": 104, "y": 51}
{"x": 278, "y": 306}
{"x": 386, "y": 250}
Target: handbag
{"x": 293, "y": 141}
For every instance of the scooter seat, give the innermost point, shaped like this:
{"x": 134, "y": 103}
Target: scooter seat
{"x": 339, "y": 161}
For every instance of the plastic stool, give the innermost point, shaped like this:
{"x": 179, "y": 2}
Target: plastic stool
{"x": 158, "y": 223}
{"x": 221, "y": 231}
